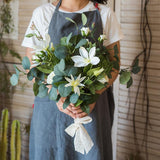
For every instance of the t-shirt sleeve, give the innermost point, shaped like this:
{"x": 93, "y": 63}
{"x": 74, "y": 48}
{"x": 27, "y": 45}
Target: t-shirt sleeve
{"x": 112, "y": 29}
{"x": 32, "y": 41}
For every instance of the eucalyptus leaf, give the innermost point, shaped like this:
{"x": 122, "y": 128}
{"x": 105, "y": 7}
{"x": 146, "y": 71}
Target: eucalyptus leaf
{"x": 59, "y": 68}
{"x": 60, "y": 52}
{"x": 74, "y": 98}
{"x": 43, "y": 91}
{"x": 26, "y": 63}
{"x": 57, "y": 79}
{"x": 66, "y": 103}
{"x": 14, "y": 80}
{"x": 71, "y": 71}
{"x": 53, "y": 94}
{"x": 81, "y": 43}
{"x": 84, "y": 19}
{"x": 64, "y": 91}
{"x": 125, "y": 77}
{"x": 31, "y": 74}
{"x": 16, "y": 69}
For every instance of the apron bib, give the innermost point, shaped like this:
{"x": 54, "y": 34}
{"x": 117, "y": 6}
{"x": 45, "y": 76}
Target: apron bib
{"x": 48, "y": 139}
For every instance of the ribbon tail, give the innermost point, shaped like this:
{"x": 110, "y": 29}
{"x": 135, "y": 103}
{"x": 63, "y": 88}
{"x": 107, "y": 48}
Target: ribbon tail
{"x": 71, "y": 130}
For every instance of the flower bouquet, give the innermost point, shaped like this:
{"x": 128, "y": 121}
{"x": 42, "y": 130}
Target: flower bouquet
{"x": 76, "y": 68}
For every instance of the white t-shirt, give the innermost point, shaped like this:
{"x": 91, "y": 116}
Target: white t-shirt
{"x": 43, "y": 14}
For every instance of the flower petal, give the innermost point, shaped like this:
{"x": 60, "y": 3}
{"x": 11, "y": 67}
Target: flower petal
{"x": 67, "y": 85}
{"x": 80, "y": 64}
{"x": 92, "y": 52}
{"x": 77, "y": 59}
{"x": 83, "y": 52}
{"x": 69, "y": 80}
{"x": 82, "y": 79}
{"x": 95, "y": 60}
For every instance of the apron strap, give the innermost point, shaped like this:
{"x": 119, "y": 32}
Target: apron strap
{"x": 58, "y": 5}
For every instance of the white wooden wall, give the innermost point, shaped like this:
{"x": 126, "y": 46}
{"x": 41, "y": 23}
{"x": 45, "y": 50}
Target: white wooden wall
{"x": 128, "y": 13}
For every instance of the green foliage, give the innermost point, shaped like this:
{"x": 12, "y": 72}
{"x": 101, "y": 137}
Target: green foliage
{"x": 74, "y": 98}
{"x": 53, "y": 94}
{"x": 3, "y": 134}
{"x": 135, "y": 67}
{"x": 66, "y": 103}
{"x": 14, "y": 80}
{"x": 61, "y": 52}
{"x": 43, "y": 91}
{"x": 84, "y": 19}
{"x": 26, "y": 63}
{"x": 35, "y": 88}
{"x": 15, "y": 140}
{"x": 125, "y": 77}
{"x": 64, "y": 91}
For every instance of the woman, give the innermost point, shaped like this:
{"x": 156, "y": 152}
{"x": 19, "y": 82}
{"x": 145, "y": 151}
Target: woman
{"x": 48, "y": 140}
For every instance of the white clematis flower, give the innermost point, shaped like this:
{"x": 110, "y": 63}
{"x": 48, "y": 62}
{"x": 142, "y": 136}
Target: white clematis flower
{"x": 75, "y": 83}
{"x": 85, "y": 31}
{"x": 102, "y": 37}
{"x": 44, "y": 44}
{"x": 104, "y": 80}
{"x": 85, "y": 58}
{"x": 50, "y": 78}
{"x": 35, "y": 63}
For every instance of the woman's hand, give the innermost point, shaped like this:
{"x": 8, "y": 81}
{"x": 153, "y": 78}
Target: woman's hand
{"x": 71, "y": 110}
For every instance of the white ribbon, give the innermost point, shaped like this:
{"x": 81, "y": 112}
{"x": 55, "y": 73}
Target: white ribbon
{"x": 82, "y": 141}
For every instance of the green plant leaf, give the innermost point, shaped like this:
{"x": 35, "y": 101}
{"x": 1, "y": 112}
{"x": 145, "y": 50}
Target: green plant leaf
{"x": 66, "y": 103}
{"x": 17, "y": 70}
{"x": 14, "y": 80}
{"x": 35, "y": 88}
{"x": 69, "y": 19}
{"x": 74, "y": 98}
{"x": 71, "y": 71}
{"x": 53, "y": 94}
{"x": 79, "y": 102}
{"x": 60, "y": 52}
{"x": 81, "y": 43}
{"x": 116, "y": 51}
{"x": 59, "y": 68}
{"x": 44, "y": 69}
{"x": 135, "y": 67}
{"x": 85, "y": 109}
{"x": 30, "y": 35}
{"x": 130, "y": 82}
{"x": 125, "y": 77}
{"x": 92, "y": 89}
{"x": 68, "y": 38}
{"x": 57, "y": 79}
{"x": 31, "y": 74}
{"x": 43, "y": 91}
{"x": 84, "y": 19}
{"x": 64, "y": 91}
{"x": 26, "y": 63}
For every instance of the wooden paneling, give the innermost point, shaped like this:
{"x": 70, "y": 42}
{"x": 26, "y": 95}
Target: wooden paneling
{"x": 130, "y": 12}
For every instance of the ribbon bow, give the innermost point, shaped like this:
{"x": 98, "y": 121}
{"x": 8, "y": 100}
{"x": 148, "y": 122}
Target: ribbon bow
{"x": 82, "y": 141}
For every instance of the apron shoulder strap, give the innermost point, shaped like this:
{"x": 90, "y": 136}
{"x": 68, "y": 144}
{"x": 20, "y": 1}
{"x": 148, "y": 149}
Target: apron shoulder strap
{"x": 58, "y": 5}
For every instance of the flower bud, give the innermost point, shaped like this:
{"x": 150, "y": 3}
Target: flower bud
{"x": 85, "y": 31}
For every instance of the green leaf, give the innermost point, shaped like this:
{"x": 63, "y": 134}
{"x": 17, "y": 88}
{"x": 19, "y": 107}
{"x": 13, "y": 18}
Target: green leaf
{"x": 66, "y": 103}
{"x": 59, "y": 68}
{"x": 71, "y": 71}
{"x": 81, "y": 43}
{"x": 68, "y": 38}
{"x": 87, "y": 68}
{"x": 74, "y": 98}
{"x": 130, "y": 82}
{"x": 14, "y": 80}
{"x": 116, "y": 65}
{"x": 125, "y": 77}
{"x": 17, "y": 70}
{"x": 64, "y": 41}
{"x": 85, "y": 109}
{"x": 64, "y": 91}
{"x": 30, "y": 35}
{"x": 88, "y": 82}
{"x": 26, "y": 63}
{"x": 57, "y": 79}
{"x": 44, "y": 69}
{"x": 43, "y": 91}
{"x": 99, "y": 86}
{"x": 31, "y": 74}
{"x": 15, "y": 54}
{"x": 69, "y": 19}
{"x": 116, "y": 51}
{"x": 53, "y": 94}
{"x": 92, "y": 89}
{"x": 60, "y": 52}
{"x": 135, "y": 67}
{"x": 35, "y": 88}
{"x": 79, "y": 102}
{"x": 84, "y": 19}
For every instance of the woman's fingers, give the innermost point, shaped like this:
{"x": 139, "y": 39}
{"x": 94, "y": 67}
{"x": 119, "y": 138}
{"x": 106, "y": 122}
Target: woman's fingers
{"x": 82, "y": 114}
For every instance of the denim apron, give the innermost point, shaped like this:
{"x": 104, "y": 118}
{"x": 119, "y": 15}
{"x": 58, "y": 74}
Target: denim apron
{"x": 48, "y": 139}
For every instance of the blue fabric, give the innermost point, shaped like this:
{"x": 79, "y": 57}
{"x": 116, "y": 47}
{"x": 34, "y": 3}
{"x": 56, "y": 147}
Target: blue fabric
{"x": 48, "y": 139}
